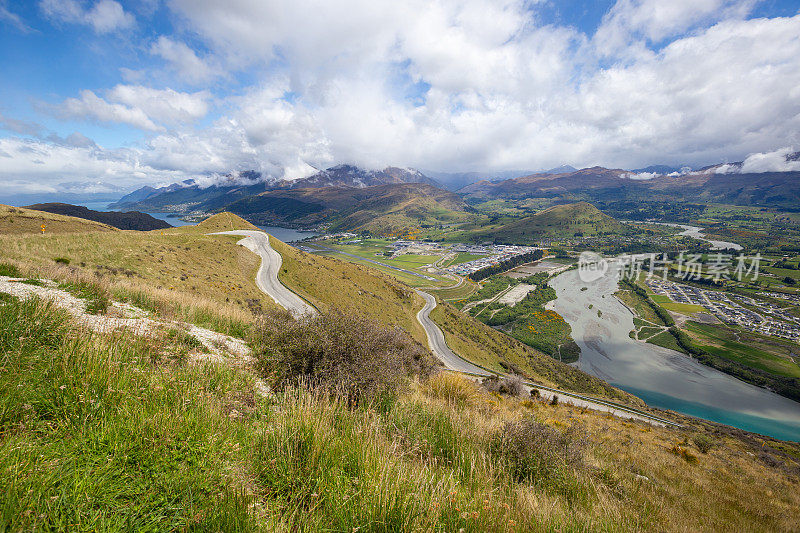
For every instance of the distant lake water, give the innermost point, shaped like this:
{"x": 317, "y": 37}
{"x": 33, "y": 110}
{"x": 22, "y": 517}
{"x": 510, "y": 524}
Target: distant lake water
{"x": 282, "y": 234}
{"x": 287, "y": 234}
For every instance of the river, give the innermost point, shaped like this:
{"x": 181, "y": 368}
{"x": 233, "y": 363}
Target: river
{"x": 697, "y": 233}
{"x": 662, "y": 377}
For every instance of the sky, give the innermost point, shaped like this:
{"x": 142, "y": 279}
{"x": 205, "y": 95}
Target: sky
{"x": 107, "y": 95}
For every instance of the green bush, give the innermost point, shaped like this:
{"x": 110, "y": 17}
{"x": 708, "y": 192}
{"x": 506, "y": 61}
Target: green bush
{"x": 352, "y": 356}
{"x": 703, "y": 442}
{"x": 61, "y": 260}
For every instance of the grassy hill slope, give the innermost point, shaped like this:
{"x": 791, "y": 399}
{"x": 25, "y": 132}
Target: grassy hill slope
{"x": 101, "y": 432}
{"x": 178, "y": 265}
{"x": 115, "y": 431}
{"x": 382, "y": 208}
{"x": 21, "y": 221}
{"x": 328, "y": 282}
{"x": 560, "y": 221}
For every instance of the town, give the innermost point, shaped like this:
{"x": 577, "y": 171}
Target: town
{"x": 732, "y": 309}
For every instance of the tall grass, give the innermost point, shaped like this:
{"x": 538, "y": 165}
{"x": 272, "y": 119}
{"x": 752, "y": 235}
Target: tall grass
{"x": 97, "y": 297}
{"x": 93, "y": 440}
{"x": 100, "y": 433}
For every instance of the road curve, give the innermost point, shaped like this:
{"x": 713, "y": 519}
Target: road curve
{"x": 437, "y": 343}
{"x": 452, "y": 361}
{"x": 267, "y": 276}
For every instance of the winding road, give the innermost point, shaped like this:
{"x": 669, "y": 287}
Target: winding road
{"x": 267, "y": 276}
{"x": 267, "y": 281}
{"x": 437, "y": 343}
{"x": 454, "y": 362}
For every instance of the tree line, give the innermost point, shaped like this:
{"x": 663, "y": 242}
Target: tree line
{"x": 508, "y": 264}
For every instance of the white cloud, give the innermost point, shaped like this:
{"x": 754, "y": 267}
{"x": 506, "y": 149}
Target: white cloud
{"x": 641, "y": 175}
{"x": 104, "y": 16}
{"x": 163, "y": 105}
{"x": 12, "y": 18}
{"x": 770, "y": 162}
{"x": 655, "y": 20}
{"x": 91, "y": 107}
{"x": 501, "y": 92}
{"x": 459, "y": 85}
{"x": 141, "y": 107}
{"x": 38, "y": 166}
{"x": 184, "y": 61}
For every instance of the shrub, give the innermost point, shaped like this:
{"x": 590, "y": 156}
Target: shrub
{"x": 703, "y": 442}
{"x": 7, "y": 269}
{"x": 538, "y": 454}
{"x": 454, "y": 388}
{"x": 352, "y": 356}
{"x": 61, "y": 260}
{"x": 511, "y": 386}
{"x": 554, "y": 400}
{"x": 683, "y": 453}
{"x": 535, "y": 393}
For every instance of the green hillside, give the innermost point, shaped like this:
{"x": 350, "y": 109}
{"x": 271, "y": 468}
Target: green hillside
{"x": 115, "y": 431}
{"x": 379, "y": 209}
{"x": 580, "y": 219}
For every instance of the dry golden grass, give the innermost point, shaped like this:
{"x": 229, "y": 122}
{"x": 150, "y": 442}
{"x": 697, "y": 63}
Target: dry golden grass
{"x": 739, "y": 485}
{"x": 20, "y": 221}
{"x": 178, "y": 265}
{"x": 329, "y": 282}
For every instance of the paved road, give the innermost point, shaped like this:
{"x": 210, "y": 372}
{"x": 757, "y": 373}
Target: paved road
{"x": 452, "y": 361}
{"x": 437, "y": 343}
{"x": 267, "y": 276}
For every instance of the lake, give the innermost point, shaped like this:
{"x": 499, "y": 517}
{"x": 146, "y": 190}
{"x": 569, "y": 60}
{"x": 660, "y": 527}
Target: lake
{"x": 283, "y": 234}
{"x": 662, "y": 377}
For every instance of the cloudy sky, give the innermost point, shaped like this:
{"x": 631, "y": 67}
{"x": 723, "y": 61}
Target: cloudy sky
{"x": 98, "y": 94}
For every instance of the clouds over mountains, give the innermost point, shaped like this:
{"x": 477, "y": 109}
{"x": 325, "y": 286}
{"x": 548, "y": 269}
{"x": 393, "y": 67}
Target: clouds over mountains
{"x": 451, "y": 85}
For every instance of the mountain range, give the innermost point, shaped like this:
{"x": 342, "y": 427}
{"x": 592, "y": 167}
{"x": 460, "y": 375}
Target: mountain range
{"x": 347, "y": 197}
{"x": 767, "y": 189}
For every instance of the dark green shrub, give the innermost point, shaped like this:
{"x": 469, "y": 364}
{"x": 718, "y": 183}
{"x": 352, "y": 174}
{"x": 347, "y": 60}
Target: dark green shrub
{"x": 703, "y": 442}
{"x": 61, "y": 260}
{"x": 352, "y": 356}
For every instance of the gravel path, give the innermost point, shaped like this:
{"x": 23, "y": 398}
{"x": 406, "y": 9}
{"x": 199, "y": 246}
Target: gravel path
{"x": 124, "y": 316}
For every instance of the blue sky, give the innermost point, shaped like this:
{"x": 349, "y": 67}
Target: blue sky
{"x": 106, "y": 94}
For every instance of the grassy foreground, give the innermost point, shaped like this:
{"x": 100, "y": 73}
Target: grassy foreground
{"x": 104, "y": 433}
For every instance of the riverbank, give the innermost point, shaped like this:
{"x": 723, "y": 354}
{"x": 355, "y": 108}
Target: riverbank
{"x": 660, "y": 376}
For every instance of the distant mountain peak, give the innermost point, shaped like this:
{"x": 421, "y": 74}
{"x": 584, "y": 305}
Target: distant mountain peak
{"x": 348, "y": 175}
{"x": 563, "y": 169}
